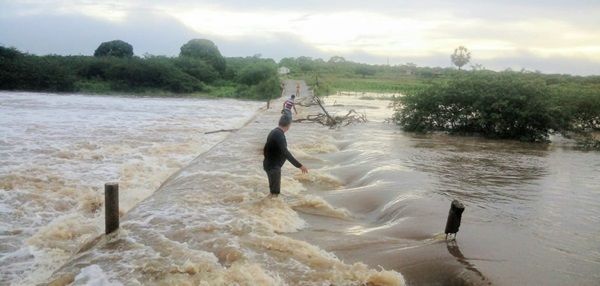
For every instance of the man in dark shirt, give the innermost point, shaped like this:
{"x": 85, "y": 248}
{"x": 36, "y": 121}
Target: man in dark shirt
{"x": 276, "y": 153}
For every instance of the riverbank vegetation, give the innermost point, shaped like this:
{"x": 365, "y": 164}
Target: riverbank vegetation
{"x": 507, "y": 105}
{"x": 520, "y": 105}
{"x": 523, "y": 105}
{"x": 200, "y": 69}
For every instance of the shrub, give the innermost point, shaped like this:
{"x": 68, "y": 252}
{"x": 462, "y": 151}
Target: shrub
{"x": 256, "y": 73}
{"x": 495, "y": 105}
{"x": 197, "y": 68}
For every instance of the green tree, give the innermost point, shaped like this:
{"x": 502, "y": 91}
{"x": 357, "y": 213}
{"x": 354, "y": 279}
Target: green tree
{"x": 206, "y": 50}
{"x": 256, "y": 73}
{"x": 336, "y": 59}
{"x": 365, "y": 70}
{"x": 197, "y": 68}
{"x": 460, "y": 57}
{"x": 116, "y": 48}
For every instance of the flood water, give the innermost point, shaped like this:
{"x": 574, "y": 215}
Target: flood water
{"x": 57, "y": 151}
{"x": 532, "y": 210}
{"x": 372, "y": 210}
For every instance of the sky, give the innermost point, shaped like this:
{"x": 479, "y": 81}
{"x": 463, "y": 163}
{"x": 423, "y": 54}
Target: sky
{"x": 551, "y": 36}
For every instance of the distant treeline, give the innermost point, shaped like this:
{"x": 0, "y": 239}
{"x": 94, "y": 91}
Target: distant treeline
{"x": 339, "y": 74}
{"x": 200, "y": 68}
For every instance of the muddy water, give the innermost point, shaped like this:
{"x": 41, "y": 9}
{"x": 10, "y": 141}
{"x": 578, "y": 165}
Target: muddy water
{"x": 532, "y": 211}
{"x": 57, "y": 151}
{"x": 371, "y": 211}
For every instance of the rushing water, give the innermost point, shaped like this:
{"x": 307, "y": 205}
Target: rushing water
{"x": 57, "y": 151}
{"x": 375, "y": 196}
{"x": 532, "y": 210}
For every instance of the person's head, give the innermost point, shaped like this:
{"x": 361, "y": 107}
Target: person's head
{"x": 284, "y": 122}
{"x": 293, "y": 96}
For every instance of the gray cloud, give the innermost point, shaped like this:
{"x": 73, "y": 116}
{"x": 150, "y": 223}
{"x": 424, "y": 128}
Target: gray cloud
{"x": 42, "y": 28}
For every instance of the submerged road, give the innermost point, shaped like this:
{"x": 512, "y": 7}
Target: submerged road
{"x": 211, "y": 224}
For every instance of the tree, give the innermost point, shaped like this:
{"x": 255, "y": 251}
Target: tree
{"x": 116, "y": 48}
{"x": 206, "y": 50}
{"x": 336, "y": 59}
{"x": 477, "y": 67}
{"x": 197, "y": 68}
{"x": 365, "y": 70}
{"x": 460, "y": 57}
{"x": 256, "y": 73}
{"x": 306, "y": 64}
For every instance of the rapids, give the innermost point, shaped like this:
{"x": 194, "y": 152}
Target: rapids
{"x": 57, "y": 151}
{"x": 371, "y": 211}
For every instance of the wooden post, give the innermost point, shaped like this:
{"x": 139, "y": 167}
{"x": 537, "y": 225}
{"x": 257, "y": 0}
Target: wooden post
{"x": 454, "y": 217}
{"x": 111, "y": 207}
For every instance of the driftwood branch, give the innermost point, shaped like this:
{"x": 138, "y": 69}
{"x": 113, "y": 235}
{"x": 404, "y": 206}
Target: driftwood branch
{"x": 336, "y": 121}
{"x": 324, "y": 118}
{"x": 331, "y": 121}
{"x": 221, "y": 130}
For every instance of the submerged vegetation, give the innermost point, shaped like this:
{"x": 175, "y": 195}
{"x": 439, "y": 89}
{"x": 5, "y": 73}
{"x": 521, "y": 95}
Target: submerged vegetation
{"x": 199, "y": 68}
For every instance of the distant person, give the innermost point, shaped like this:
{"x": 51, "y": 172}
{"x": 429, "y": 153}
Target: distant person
{"x": 288, "y": 105}
{"x": 298, "y": 88}
{"x": 276, "y": 152}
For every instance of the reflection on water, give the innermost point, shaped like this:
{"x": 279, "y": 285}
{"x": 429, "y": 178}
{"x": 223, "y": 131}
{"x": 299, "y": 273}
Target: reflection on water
{"x": 454, "y": 250}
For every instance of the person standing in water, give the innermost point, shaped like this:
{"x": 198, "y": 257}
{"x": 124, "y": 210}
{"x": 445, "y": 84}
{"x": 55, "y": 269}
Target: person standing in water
{"x": 276, "y": 153}
{"x": 288, "y": 105}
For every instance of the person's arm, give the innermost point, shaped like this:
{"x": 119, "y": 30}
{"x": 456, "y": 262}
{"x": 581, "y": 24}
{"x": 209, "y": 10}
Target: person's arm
{"x": 296, "y": 111}
{"x": 291, "y": 158}
{"x": 283, "y": 147}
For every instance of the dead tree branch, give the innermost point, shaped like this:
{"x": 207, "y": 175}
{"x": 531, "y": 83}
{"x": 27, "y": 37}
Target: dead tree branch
{"x": 221, "y": 130}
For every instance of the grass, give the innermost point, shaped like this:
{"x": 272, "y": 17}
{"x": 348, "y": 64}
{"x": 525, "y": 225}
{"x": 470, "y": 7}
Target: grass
{"x": 379, "y": 83}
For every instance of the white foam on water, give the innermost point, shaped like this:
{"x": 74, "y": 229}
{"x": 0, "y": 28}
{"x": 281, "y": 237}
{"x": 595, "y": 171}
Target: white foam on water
{"x": 93, "y": 276}
{"x": 57, "y": 151}
{"x": 213, "y": 224}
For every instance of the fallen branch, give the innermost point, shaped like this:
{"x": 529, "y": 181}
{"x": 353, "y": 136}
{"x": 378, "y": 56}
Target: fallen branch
{"x": 331, "y": 120}
{"x": 221, "y": 130}
{"x": 325, "y": 119}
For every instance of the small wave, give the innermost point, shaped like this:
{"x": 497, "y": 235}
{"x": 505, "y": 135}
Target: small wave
{"x": 317, "y": 205}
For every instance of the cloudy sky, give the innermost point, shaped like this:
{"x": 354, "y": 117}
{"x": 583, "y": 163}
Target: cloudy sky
{"x": 553, "y": 36}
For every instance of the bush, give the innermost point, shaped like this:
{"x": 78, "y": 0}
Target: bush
{"x": 197, "y": 68}
{"x": 256, "y": 73}
{"x": 578, "y": 106}
{"x": 152, "y": 73}
{"x": 266, "y": 89}
{"x": 495, "y": 105}
{"x": 20, "y": 71}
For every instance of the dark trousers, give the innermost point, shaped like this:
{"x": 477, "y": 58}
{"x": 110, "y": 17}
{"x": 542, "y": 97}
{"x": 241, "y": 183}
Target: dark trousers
{"x": 274, "y": 176}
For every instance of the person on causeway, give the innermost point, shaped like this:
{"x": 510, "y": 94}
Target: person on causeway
{"x": 276, "y": 153}
{"x": 288, "y": 105}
